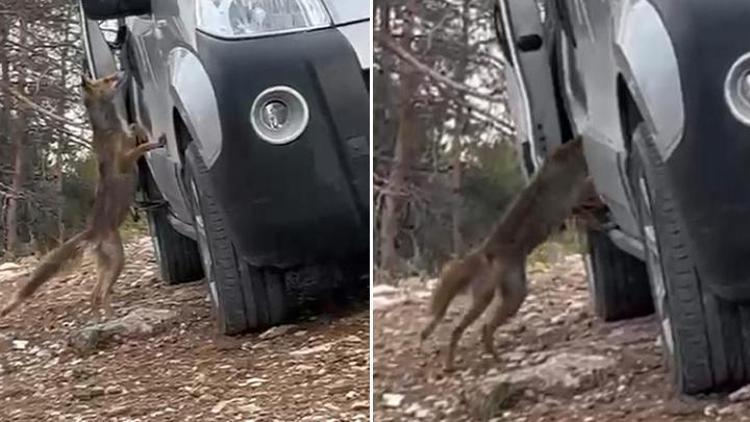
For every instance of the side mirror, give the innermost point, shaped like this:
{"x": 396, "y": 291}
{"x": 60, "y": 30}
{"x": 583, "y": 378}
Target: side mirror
{"x": 115, "y": 9}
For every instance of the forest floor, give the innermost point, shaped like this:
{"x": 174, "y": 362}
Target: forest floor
{"x": 172, "y": 366}
{"x": 557, "y": 362}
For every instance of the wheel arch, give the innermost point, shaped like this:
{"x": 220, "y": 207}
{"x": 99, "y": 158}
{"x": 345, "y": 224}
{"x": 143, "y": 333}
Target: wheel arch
{"x": 195, "y": 110}
{"x": 648, "y": 72}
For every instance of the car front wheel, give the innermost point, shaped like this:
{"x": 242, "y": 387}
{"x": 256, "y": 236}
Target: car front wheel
{"x": 702, "y": 334}
{"x": 244, "y": 297}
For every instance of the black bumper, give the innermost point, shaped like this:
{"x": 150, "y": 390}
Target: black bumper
{"x": 710, "y": 169}
{"x": 307, "y": 201}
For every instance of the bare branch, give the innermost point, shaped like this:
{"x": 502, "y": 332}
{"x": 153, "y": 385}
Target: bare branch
{"x": 388, "y": 43}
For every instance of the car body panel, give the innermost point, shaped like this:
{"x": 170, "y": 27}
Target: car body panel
{"x": 358, "y": 35}
{"x": 348, "y": 11}
{"x": 325, "y": 172}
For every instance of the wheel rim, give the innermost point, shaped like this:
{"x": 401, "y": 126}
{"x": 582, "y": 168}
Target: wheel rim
{"x": 653, "y": 263}
{"x": 589, "y": 267}
{"x": 154, "y": 240}
{"x": 200, "y": 229}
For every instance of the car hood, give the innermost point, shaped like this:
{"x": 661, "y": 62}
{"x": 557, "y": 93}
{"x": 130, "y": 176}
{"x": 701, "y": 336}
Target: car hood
{"x": 346, "y": 11}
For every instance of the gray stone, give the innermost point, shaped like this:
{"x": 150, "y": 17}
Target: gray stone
{"x": 277, "y": 331}
{"x": 561, "y": 374}
{"x": 743, "y": 394}
{"x": 139, "y": 321}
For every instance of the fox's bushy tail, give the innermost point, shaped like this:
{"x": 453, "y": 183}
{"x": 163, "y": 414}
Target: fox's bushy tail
{"x": 453, "y": 280}
{"x": 51, "y": 265}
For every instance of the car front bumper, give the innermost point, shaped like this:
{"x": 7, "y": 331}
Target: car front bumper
{"x": 709, "y": 171}
{"x": 308, "y": 200}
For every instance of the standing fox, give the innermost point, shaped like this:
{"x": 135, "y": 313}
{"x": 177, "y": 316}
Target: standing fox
{"x": 116, "y": 147}
{"x": 497, "y": 266}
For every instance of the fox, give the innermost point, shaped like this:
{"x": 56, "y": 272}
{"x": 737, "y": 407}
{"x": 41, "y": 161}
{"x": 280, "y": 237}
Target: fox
{"x": 497, "y": 267}
{"x": 117, "y": 146}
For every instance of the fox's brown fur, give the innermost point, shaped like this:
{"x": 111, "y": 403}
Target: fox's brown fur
{"x": 497, "y": 266}
{"x": 116, "y": 147}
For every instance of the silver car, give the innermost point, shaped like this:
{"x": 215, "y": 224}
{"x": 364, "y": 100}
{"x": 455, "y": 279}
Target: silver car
{"x": 660, "y": 92}
{"x": 264, "y": 106}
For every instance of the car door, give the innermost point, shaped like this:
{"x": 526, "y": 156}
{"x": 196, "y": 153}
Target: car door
{"x": 152, "y": 104}
{"x": 99, "y": 59}
{"x": 529, "y": 78}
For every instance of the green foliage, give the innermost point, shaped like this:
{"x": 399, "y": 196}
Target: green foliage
{"x": 489, "y": 184}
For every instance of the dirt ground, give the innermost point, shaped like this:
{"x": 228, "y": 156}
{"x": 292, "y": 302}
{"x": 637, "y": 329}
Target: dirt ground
{"x": 558, "y": 363}
{"x": 318, "y": 369}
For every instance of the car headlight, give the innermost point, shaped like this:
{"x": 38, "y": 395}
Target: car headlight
{"x": 254, "y": 18}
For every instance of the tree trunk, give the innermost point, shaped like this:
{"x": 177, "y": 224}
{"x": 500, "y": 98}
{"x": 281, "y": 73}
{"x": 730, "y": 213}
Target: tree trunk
{"x": 405, "y": 157}
{"x": 462, "y": 126}
{"x": 11, "y": 222}
{"x": 4, "y": 118}
{"x": 61, "y": 146}
{"x": 456, "y": 182}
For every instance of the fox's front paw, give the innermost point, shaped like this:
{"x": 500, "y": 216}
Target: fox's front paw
{"x": 139, "y": 133}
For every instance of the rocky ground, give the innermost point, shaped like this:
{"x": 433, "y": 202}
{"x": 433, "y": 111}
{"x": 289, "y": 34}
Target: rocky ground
{"x": 159, "y": 359}
{"x": 558, "y": 363}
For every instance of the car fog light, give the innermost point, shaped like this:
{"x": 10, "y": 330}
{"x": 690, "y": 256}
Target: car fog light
{"x": 279, "y": 115}
{"x": 737, "y": 89}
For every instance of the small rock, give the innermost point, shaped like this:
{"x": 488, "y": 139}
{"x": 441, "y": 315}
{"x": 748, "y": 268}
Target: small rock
{"x": 557, "y": 319}
{"x": 312, "y": 350}
{"x": 417, "y": 411}
{"x": 392, "y": 400}
{"x": 249, "y": 408}
{"x": 712, "y": 410}
{"x": 732, "y": 409}
{"x": 112, "y": 389}
{"x": 742, "y": 394}
{"x": 220, "y": 406}
{"x": 9, "y": 266}
{"x": 137, "y": 321}
{"x": 361, "y": 405}
{"x": 20, "y": 344}
{"x": 383, "y": 289}
{"x": 118, "y": 410}
{"x": 381, "y": 303}
{"x": 277, "y": 331}
{"x": 562, "y": 374}
{"x": 514, "y": 356}
{"x": 86, "y": 392}
{"x": 351, "y": 339}
{"x": 351, "y": 395}
{"x": 252, "y": 382}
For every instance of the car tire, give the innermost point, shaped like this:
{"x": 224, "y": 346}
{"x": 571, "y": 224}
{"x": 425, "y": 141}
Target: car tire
{"x": 618, "y": 281}
{"x": 244, "y": 297}
{"x": 702, "y": 334}
{"x": 176, "y": 255}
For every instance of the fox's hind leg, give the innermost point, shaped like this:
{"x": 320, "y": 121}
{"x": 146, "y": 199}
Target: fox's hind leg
{"x": 513, "y": 290}
{"x": 479, "y": 304}
{"x": 430, "y": 327}
{"x": 103, "y": 263}
{"x": 112, "y": 247}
